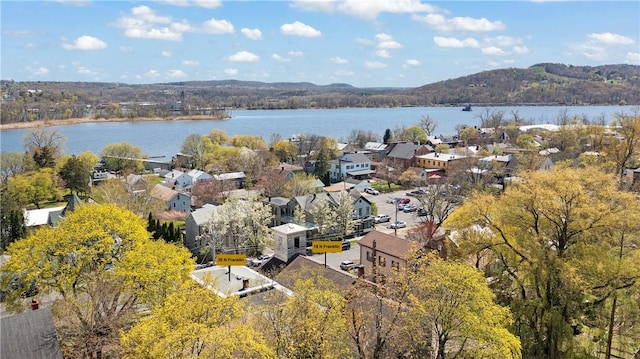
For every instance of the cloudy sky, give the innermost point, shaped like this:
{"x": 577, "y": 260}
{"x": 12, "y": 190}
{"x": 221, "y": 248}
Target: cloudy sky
{"x": 365, "y": 43}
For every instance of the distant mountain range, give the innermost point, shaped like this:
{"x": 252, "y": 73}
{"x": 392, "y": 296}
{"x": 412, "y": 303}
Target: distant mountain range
{"x": 546, "y": 83}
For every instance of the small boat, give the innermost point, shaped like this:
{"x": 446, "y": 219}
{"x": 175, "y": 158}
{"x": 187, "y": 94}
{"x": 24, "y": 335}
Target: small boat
{"x": 466, "y": 108}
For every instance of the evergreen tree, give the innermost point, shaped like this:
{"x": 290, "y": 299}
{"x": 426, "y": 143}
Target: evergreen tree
{"x": 387, "y": 136}
{"x": 44, "y": 158}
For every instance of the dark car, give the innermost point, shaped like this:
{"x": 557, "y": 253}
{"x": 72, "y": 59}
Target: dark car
{"x": 416, "y": 193}
{"x": 422, "y": 212}
{"x": 346, "y": 245}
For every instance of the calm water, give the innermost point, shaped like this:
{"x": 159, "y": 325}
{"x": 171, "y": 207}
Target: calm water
{"x": 164, "y": 138}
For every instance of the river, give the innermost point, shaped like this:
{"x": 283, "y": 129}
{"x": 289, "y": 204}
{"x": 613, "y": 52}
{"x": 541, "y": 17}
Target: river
{"x": 164, "y": 138}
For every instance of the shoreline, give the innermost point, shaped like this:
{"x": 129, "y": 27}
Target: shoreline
{"x": 75, "y": 121}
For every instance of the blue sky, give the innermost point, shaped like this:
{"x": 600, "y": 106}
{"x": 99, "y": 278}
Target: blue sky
{"x": 365, "y": 43}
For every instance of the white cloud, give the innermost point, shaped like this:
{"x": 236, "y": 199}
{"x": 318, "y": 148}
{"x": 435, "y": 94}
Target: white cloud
{"x": 314, "y": 5}
{"x": 214, "y": 26}
{"x": 412, "y": 62}
{"x": 244, "y": 56}
{"x": 253, "y": 34}
{"x": 520, "y": 50}
{"x": 152, "y": 73}
{"x": 299, "y": 29}
{"x": 339, "y": 60}
{"x": 363, "y": 41}
{"x": 231, "y": 72}
{"x": 143, "y": 24}
{"x": 370, "y": 9}
{"x": 39, "y": 71}
{"x": 344, "y": 73}
{"x": 85, "y": 43}
{"x": 375, "y": 65}
{"x": 295, "y": 53}
{"x": 279, "y": 58}
{"x": 176, "y": 73}
{"x": 383, "y": 53}
{"x": 440, "y": 23}
{"x": 84, "y": 70}
{"x": 633, "y": 58}
{"x": 611, "y": 39}
{"x": 166, "y": 54}
{"x": 75, "y": 2}
{"x": 492, "y": 50}
{"x": 455, "y": 43}
{"x": 207, "y": 4}
{"x": 190, "y": 63}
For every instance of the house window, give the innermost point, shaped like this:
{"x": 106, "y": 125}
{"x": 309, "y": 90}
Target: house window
{"x": 369, "y": 256}
{"x": 367, "y": 211}
{"x": 174, "y": 205}
{"x": 382, "y": 261}
{"x": 395, "y": 265}
{"x": 296, "y": 242}
{"x": 359, "y": 212}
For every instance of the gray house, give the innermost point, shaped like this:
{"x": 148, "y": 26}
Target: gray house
{"x": 30, "y": 335}
{"x": 174, "y": 200}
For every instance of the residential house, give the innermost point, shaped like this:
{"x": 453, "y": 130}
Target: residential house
{"x": 174, "y": 200}
{"x": 51, "y": 216}
{"x": 402, "y": 155}
{"x": 135, "y": 183}
{"x": 497, "y": 163}
{"x": 233, "y": 179}
{"x": 178, "y": 180}
{"x": 376, "y": 151}
{"x": 290, "y": 239}
{"x": 198, "y": 176}
{"x": 380, "y": 253}
{"x": 279, "y": 210}
{"x": 444, "y": 161}
{"x": 30, "y": 335}
{"x": 198, "y": 228}
{"x": 354, "y": 165}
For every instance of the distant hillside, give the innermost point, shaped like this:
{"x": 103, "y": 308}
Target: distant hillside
{"x": 540, "y": 84}
{"x": 554, "y": 84}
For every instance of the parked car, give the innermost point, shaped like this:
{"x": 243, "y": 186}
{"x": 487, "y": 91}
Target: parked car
{"x": 381, "y": 218}
{"x": 398, "y": 224}
{"x": 346, "y": 245}
{"x": 371, "y": 190}
{"x": 404, "y": 200}
{"x": 393, "y": 199}
{"x": 347, "y": 265}
{"x": 410, "y": 208}
{"x": 418, "y": 192}
{"x": 261, "y": 259}
{"x": 422, "y": 212}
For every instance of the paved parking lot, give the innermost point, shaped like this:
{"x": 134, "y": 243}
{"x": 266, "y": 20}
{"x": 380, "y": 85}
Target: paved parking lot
{"x": 390, "y": 209}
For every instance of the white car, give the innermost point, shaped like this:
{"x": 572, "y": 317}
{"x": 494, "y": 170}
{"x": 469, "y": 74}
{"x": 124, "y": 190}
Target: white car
{"x": 398, "y": 224}
{"x": 371, "y": 190}
{"x": 381, "y": 218}
{"x": 346, "y": 265}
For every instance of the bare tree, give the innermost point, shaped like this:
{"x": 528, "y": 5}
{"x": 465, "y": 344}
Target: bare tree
{"x": 428, "y": 124}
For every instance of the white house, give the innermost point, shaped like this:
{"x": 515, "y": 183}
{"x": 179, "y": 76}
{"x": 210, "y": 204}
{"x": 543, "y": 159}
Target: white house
{"x": 198, "y": 227}
{"x": 198, "y": 176}
{"x": 178, "y": 179}
{"x": 289, "y": 238}
{"x": 352, "y": 165}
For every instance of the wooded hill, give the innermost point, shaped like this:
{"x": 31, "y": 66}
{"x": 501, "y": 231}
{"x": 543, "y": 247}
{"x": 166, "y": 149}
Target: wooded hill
{"x": 549, "y": 84}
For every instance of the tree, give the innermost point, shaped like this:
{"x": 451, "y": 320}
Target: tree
{"x": 12, "y": 224}
{"x": 452, "y": 312}
{"x": 285, "y": 150}
{"x": 123, "y": 157}
{"x": 428, "y": 124}
{"x": 11, "y": 164}
{"x": 218, "y": 137}
{"x": 243, "y": 225}
{"x": 358, "y": 138}
{"x": 274, "y": 184}
{"x": 624, "y": 147}
{"x": 34, "y": 187}
{"x": 102, "y": 264}
{"x": 388, "y": 135}
{"x": 300, "y": 185}
{"x": 76, "y": 173}
{"x": 115, "y": 191}
{"x": 37, "y": 139}
{"x": 195, "y": 322}
{"x": 252, "y": 142}
{"x": 324, "y": 215}
{"x": 44, "y": 158}
{"x": 438, "y": 203}
{"x": 308, "y": 324}
{"x": 344, "y": 214}
{"x": 413, "y": 134}
{"x": 538, "y": 240}
{"x": 197, "y": 146}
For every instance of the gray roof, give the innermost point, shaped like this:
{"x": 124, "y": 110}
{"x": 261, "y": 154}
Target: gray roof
{"x": 403, "y": 150}
{"x": 205, "y": 214}
{"x": 356, "y": 158}
{"x": 30, "y": 335}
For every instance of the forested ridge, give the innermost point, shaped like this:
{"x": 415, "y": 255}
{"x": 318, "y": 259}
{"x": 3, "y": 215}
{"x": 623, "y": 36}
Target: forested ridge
{"x": 544, "y": 84}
